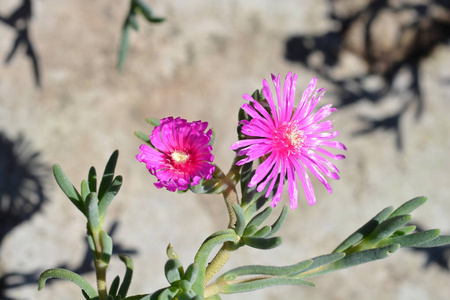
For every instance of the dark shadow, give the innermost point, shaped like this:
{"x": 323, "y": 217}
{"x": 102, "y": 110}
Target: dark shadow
{"x": 19, "y": 21}
{"x": 361, "y": 32}
{"x": 22, "y": 192}
{"x": 438, "y": 255}
{"x": 14, "y": 280}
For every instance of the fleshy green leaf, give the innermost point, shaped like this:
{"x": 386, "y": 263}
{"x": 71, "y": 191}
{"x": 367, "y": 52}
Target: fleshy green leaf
{"x": 384, "y": 230}
{"x": 84, "y": 189}
{"x": 279, "y": 222}
{"x": 409, "y": 206}
{"x": 212, "y": 186}
{"x": 67, "y": 187}
{"x": 92, "y": 213}
{"x": 142, "y": 136}
{"x": 262, "y": 243}
{"x": 263, "y": 232}
{"x": 266, "y": 270}
{"x": 442, "y": 240}
{"x": 411, "y": 240}
{"x": 92, "y": 180}
{"x": 128, "y": 275}
{"x": 108, "y": 174}
{"x": 107, "y": 247}
{"x": 153, "y": 121}
{"x": 109, "y": 195}
{"x": 172, "y": 270}
{"x": 191, "y": 273}
{"x": 201, "y": 258}
{"x": 367, "y": 228}
{"x": 247, "y": 286}
{"x": 320, "y": 261}
{"x": 240, "y": 219}
{"x": 261, "y": 217}
{"x": 68, "y": 275}
{"x": 123, "y": 46}
{"x": 114, "y": 286}
{"x": 403, "y": 231}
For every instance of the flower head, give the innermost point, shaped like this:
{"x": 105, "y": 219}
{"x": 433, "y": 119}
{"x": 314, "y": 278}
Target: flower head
{"x": 289, "y": 141}
{"x": 181, "y": 155}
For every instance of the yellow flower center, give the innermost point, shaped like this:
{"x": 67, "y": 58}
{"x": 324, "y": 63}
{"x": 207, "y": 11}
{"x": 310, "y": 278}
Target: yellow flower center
{"x": 179, "y": 156}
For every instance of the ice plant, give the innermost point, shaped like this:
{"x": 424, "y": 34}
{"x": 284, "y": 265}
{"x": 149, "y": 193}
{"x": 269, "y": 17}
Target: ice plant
{"x": 289, "y": 141}
{"x": 181, "y": 154}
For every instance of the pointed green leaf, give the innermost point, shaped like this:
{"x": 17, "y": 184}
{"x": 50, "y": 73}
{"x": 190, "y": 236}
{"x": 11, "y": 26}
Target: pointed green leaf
{"x": 108, "y": 174}
{"x": 366, "y": 256}
{"x": 92, "y": 213}
{"x": 367, "y": 228}
{"x": 114, "y": 286}
{"x": 107, "y": 247}
{"x": 263, "y": 232}
{"x": 261, "y": 217}
{"x": 409, "y": 206}
{"x": 67, "y": 187}
{"x": 384, "y": 230}
{"x": 318, "y": 262}
{"x": 404, "y": 231}
{"x": 411, "y": 240}
{"x": 191, "y": 273}
{"x": 247, "y": 286}
{"x": 84, "y": 189}
{"x": 123, "y": 47}
{"x": 128, "y": 275}
{"x": 262, "y": 243}
{"x": 266, "y": 270}
{"x": 212, "y": 186}
{"x": 92, "y": 180}
{"x": 240, "y": 219}
{"x": 109, "y": 195}
{"x": 68, "y": 275}
{"x": 132, "y": 21}
{"x": 142, "y": 136}
{"x": 442, "y": 240}
{"x": 279, "y": 222}
{"x": 86, "y": 296}
{"x": 153, "y": 121}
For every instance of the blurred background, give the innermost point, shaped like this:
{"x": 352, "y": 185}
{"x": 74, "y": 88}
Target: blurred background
{"x": 385, "y": 65}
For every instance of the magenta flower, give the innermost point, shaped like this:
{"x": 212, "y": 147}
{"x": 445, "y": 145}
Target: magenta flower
{"x": 289, "y": 141}
{"x": 181, "y": 155}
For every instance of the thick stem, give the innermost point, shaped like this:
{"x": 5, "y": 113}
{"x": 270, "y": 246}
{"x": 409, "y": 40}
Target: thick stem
{"x": 224, "y": 254}
{"x": 100, "y": 271}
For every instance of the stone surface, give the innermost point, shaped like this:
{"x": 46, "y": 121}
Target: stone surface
{"x": 197, "y": 65}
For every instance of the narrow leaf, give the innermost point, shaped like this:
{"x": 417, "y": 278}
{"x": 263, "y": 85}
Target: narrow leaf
{"x": 279, "y": 222}
{"x": 92, "y": 180}
{"x": 68, "y": 275}
{"x": 247, "y": 286}
{"x": 67, "y": 187}
{"x": 411, "y": 240}
{"x": 404, "y": 231}
{"x": 128, "y": 275}
{"x": 142, "y": 136}
{"x": 84, "y": 190}
{"x": 263, "y": 232}
{"x": 114, "y": 286}
{"x": 262, "y": 243}
{"x": 261, "y": 217}
{"x": 191, "y": 273}
{"x": 409, "y": 206}
{"x": 442, "y": 240}
{"x": 108, "y": 174}
{"x": 240, "y": 219}
{"x": 266, "y": 270}
{"x": 384, "y": 230}
{"x": 320, "y": 261}
{"x": 92, "y": 213}
{"x": 107, "y": 247}
{"x": 153, "y": 121}
{"x": 123, "y": 46}
{"x": 109, "y": 195}
{"x": 367, "y": 228}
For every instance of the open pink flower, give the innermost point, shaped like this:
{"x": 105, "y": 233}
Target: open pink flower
{"x": 289, "y": 140}
{"x": 181, "y": 155}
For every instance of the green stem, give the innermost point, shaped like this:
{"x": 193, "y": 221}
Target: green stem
{"x": 100, "y": 271}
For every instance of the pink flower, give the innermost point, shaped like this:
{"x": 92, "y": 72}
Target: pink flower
{"x": 181, "y": 155}
{"x": 289, "y": 141}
